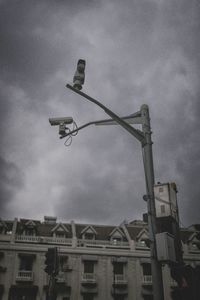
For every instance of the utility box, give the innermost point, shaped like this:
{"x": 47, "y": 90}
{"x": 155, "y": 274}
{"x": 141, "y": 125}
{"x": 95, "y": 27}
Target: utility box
{"x": 165, "y": 247}
{"x": 166, "y": 200}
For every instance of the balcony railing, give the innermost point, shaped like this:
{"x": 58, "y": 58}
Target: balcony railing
{"x": 5, "y": 237}
{"x": 141, "y": 245}
{"x": 41, "y": 239}
{"x": 88, "y": 278}
{"x": 147, "y": 279}
{"x": 193, "y": 248}
{"x": 24, "y": 276}
{"x": 102, "y": 243}
{"x": 119, "y": 279}
{"x": 60, "y": 278}
{"x": 173, "y": 283}
{"x": 27, "y": 238}
{"x": 68, "y": 241}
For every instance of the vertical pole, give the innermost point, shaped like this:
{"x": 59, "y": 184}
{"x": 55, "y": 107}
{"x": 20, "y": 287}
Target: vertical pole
{"x": 167, "y": 280}
{"x": 149, "y": 177}
{"x": 51, "y": 289}
{"x": 113, "y": 280}
{"x": 113, "y": 263}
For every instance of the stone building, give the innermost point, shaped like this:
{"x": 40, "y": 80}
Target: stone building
{"x": 95, "y": 261}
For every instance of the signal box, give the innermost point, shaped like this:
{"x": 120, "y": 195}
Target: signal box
{"x": 166, "y": 200}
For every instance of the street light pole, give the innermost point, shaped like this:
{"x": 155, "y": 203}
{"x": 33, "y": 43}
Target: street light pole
{"x": 144, "y": 136}
{"x": 150, "y": 181}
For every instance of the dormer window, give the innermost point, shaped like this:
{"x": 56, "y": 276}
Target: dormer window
{"x": 194, "y": 243}
{"x": 3, "y": 228}
{"x": 194, "y": 246}
{"x": 88, "y": 233}
{"x": 60, "y": 231}
{"x": 89, "y": 236}
{"x": 29, "y": 231}
{"x": 116, "y": 240}
{"x": 142, "y": 239}
{"x": 60, "y": 234}
{"x": 29, "y": 228}
{"x": 117, "y": 236}
{"x": 142, "y": 243}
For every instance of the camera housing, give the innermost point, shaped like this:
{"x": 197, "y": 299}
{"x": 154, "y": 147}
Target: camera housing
{"x": 79, "y": 76}
{"x": 60, "y": 121}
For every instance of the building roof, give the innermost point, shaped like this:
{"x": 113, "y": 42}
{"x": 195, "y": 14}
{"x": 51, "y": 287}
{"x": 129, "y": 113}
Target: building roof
{"x": 102, "y": 232}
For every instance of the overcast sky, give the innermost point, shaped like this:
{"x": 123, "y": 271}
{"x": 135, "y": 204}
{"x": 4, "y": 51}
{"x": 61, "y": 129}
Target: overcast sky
{"x": 139, "y": 51}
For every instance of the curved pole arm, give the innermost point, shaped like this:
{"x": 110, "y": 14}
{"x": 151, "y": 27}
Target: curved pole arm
{"x": 77, "y": 129}
{"x": 136, "y": 133}
{"x": 133, "y": 118}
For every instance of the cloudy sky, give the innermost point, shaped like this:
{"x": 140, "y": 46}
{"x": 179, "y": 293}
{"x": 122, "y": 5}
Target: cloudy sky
{"x": 139, "y": 51}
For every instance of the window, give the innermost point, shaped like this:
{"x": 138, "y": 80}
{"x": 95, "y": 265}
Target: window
{"x": 60, "y": 234}
{"x": 162, "y": 209}
{"x": 116, "y": 240}
{"x": 88, "y": 267}
{"x": 88, "y": 297}
{"x": 89, "y": 236}
{"x": 146, "y": 269}
{"x": 119, "y": 297}
{"x": 23, "y": 297}
{"x": 161, "y": 190}
{"x": 63, "y": 263}
{"x": 142, "y": 243}
{"x": 29, "y": 231}
{"x": 26, "y": 263}
{"x": 118, "y": 268}
{"x": 20, "y": 295}
{"x": 3, "y": 230}
{"x": 148, "y": 297}
{"x": 194, "y": 246}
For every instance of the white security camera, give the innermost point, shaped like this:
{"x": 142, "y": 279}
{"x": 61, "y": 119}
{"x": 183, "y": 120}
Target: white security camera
{"x": 60, "y": 121}
{"x": 79, "y": 76}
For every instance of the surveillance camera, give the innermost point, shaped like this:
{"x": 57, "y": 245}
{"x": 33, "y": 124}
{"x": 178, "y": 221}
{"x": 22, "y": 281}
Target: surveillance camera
{"x": 60, "y": 121}
{"x": 62, "y": 129}
{"x": 81, "y": 65}
{"x": 79, "y": 76}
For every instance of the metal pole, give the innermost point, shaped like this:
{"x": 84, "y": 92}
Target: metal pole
{"x": 152, "y": 226}
{"x": 145, "y": 139}
{"x": 51, "y": 289}
{"x": 113, "y": 280}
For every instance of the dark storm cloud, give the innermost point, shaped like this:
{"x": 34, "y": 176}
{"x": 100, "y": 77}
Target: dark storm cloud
{"x": 108, "y": 182}
{"x": 33, "y": 42}
{"x": 187, "y": 157}
{"x": 179, "y": 137}
{"x": 137, "y": 52}
{"x": 11, "y": 179}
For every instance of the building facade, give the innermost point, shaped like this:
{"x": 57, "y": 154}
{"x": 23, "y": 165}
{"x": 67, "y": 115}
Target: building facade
{"x": 95, "y": 261}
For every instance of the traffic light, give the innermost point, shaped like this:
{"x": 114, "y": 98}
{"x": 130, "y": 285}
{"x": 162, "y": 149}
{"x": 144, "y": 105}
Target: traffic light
{"x": 188, "y": 280}
{"x": 51, "y": 261}
{"x": 197, "y": 281}
{"x": 79, "y": 76}
{"x": 198, "y": 240}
